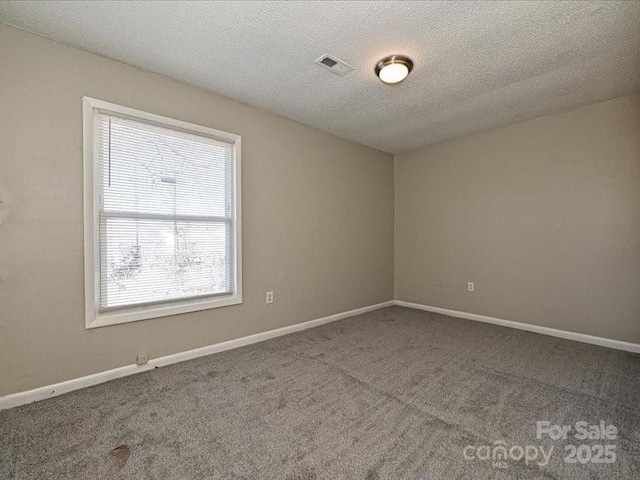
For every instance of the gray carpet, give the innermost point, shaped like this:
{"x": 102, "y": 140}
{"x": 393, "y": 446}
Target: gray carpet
{"x": 393, "y": 394}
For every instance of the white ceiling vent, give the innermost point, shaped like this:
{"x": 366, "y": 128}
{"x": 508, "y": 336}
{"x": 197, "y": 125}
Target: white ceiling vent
{"x": 334, "y": 64}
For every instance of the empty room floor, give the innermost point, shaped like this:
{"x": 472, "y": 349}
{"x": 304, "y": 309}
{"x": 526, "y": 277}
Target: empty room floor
{"x": 393, "y": 394}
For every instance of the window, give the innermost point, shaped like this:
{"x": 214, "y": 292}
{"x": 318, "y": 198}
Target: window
{"x": 162, "y": 216}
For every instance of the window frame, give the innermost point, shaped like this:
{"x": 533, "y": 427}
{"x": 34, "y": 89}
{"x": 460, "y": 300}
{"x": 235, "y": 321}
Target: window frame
{"x": 93, "y": 317}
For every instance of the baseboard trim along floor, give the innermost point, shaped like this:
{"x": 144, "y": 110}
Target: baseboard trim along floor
{"x": 578, "y": 337}
{"x": 49, "y": 391}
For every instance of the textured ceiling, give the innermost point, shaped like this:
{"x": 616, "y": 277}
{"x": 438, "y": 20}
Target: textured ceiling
{"x": 478, "y": 65}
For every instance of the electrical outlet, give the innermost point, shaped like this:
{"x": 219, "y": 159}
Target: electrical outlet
{"x": 471, "y": 287}
{"x": 142, "y": 358}
{"x": 440, "y": 282}
{"x": 269, "y": 299}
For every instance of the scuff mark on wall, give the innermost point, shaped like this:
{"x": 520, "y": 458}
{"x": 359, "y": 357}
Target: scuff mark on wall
{"x": 5, "y": 208}
{"x": 5, "y": 204}
{"x": 3, "y": 318}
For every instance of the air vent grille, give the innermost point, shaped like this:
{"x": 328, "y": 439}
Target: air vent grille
{"x": 328, "y": 62}
{"x": 334, "y": 64}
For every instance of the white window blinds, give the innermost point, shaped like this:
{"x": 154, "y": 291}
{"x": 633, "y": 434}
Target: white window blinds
{"x": 166, "y": 213}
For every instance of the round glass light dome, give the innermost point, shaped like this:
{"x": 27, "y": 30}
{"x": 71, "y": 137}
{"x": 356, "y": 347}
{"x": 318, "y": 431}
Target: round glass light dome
{"x": 394, "y": 69}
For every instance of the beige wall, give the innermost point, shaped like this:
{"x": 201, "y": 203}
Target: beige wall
{"x": 543, "y": 216}
{"x": 317, "y": 217}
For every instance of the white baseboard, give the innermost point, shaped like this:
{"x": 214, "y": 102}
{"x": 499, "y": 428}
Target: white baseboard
{"x": 41, "y": 393}
{"x": 578, "y": 337}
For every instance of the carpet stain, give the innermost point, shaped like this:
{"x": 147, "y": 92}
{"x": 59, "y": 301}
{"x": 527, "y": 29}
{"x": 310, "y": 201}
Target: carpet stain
{"x": 120, "y": 454}
{"x": 304, "y": 474}
{"x": 387, "y": 318}
{"x": 372, "y": 474}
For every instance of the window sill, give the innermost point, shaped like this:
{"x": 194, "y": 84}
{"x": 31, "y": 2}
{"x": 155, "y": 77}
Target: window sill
{"x": 126, "y": 315}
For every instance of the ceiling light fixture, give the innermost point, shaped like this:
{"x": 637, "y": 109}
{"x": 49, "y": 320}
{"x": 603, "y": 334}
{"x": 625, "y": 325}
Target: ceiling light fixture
{"x": 394, "y": 68}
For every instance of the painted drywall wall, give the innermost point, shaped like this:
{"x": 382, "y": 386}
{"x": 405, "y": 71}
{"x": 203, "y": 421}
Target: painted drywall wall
{"x": 317, "y": 217}
{"x": 543, "y": 216}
